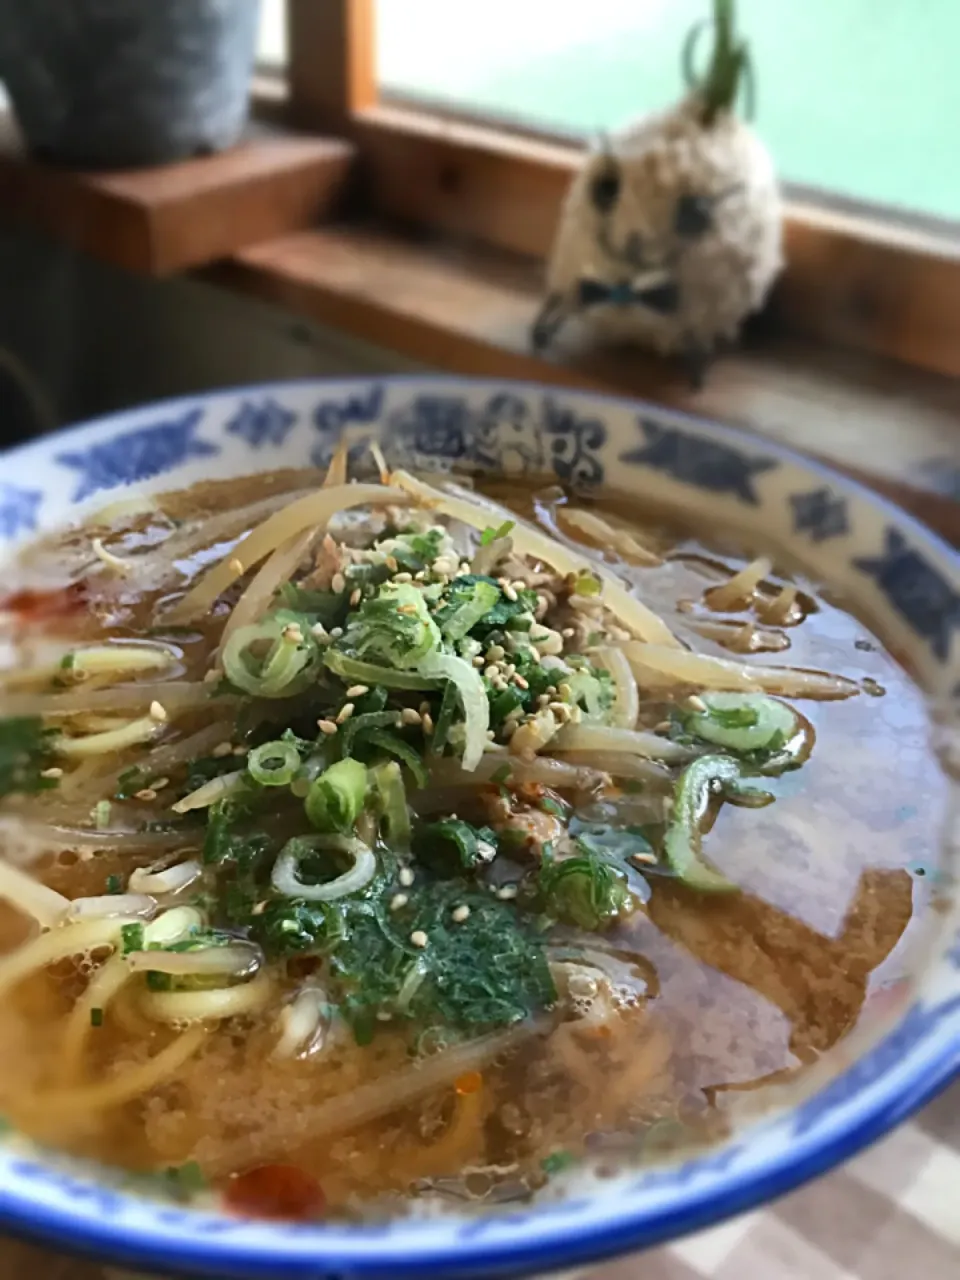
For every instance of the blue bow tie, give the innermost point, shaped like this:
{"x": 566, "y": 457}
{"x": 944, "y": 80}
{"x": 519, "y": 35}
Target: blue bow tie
{"x": 664, "y": 297}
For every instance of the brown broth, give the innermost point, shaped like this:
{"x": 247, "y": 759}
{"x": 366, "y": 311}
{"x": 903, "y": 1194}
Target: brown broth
{"x": 720, "y": 997}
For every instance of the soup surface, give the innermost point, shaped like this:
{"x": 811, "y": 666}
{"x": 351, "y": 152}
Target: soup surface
{"x": 389, "y": 842}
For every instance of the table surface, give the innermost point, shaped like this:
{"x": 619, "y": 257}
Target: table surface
{"x": 890, "y": 1213}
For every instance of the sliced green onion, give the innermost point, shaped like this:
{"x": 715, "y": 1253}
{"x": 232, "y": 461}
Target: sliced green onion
{"x": 394, "y": 745}
{"x": 335, "y": 799}
{"x": 368, "y": 720}
{"x": 274, "y": 764}
{"x": 291, "y": 656}
{"x": 393, "y": 800}
{"x": 768, "y": 733}
{"x": 682, "y": 844}
{"x": 742, "y": 721}
{"x": 356, "y": 671}
{"x": 285, "y": 874}
{"x": 473, "y": 696}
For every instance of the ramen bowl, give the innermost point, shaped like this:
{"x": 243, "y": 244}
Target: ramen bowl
{"x": 894, "y": 573}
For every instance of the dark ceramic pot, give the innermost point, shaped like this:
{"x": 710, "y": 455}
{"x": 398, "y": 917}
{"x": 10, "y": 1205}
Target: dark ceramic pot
{"x": 120, "y": 83}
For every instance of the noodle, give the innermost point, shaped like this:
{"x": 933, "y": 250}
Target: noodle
{"x": 59, "y": 944}
{"x": 605, "y": 535}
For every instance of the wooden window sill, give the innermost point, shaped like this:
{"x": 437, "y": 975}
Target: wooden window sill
{"x": 469, "y": 310}
{"x": 162, "y": 220}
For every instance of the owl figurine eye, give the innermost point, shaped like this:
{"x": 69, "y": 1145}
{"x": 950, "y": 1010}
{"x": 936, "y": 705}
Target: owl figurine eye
{"x": 605, "y": 186}
{"x": 693, "y": 216}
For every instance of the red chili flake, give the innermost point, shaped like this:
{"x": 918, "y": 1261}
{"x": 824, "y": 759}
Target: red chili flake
{"x": 279, "y": 1191}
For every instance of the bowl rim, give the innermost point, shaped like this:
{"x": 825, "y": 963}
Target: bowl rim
{"x": 550, "y": 1245}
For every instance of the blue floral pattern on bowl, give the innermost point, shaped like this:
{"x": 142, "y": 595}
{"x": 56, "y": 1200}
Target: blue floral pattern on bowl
{"x": 891, "y": 567}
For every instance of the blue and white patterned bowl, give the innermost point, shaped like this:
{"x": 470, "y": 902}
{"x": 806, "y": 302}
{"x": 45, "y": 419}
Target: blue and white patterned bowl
{"x": 894, "y": 570}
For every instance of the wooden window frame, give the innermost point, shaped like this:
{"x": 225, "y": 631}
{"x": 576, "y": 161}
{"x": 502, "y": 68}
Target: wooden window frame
{"x": 856, "y": 281}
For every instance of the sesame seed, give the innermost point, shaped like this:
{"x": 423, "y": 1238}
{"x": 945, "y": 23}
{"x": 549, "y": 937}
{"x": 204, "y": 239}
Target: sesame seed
{"x": 662, "y": 727}
{"x": 398, "y": 900}
{"x": 327, "y": 726}
{"x": 492, "y": 672}
{"x": 355, "y": 597}
{"x": 357, "y": 691}
{"x": 409, "y": 716}
{"x": 211, "y": 676}
{"x": 410, "y": 610}
{"x": 696, "y": 703}
{"x": 53, "y": 772}
{"x": 146, "y": 793}
{"x": 384, "y": 1015}
{"x": 391, "y": 563}
{"x": 406, "y": 877}
{"x": 240, "y": 751}
{"x": 418, "y": 938}
{"x": 420, "y": 577}
{"x": 338, "y": 583}
{"x": 564, "y": 690}
{"x": 510, "y": 669}
{"x": 221, "y": 749}
{"x": 495, "y": 653}
{"x": 499, "y": 684}
{"x": 345, "y": 712}
{"x": 159, "y": 783}
{"x": 518, "y": 584}
{"x": 490, "y": 735}
{"x": 336, "y": 633}
{"x": 424, "y": 708}
{"x": 427, "y": 721}
{"x": 235, "y": 566}
{"x": 568, "y": 633}
{"x": 479, "y": 660}
{"x": 158, "y": 711}
{"x": 293, "y": 633}
{"x": 543, "y": 700}
{"x": 519, "y": 680}
{"x": 319, "y": 631}
{"x": 461, "y": 913}
{"x": 507, "y": 892}
{"x": 403, "y": 577}
{"x": 643, "y": 859}
{"x": 510, "y": 592}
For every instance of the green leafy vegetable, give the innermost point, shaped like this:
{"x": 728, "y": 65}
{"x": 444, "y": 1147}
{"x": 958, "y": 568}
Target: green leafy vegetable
{"x": 451, "y": 846}
{"x": 288, "y": 927}
{"x": 414, "y": 550}
{"x": 394, "y": 628}
{"x": 467, "y": 602}
{"x": 96, "y": 1017}
{"x": 486, "y": 970}
{"x": 114, "y": 884}
{"x": 351, "y": 669}
{"x": 131, "y": 938}
{"x": 26, "y": 749}
{"x": 335, "y": 799}
{"x": 584, "y": 890}
{"x": 491, "y": 535}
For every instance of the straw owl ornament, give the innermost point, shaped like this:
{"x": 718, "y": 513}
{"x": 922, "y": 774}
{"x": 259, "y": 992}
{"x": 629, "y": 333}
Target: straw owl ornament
{"x": 671, "y": 233}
